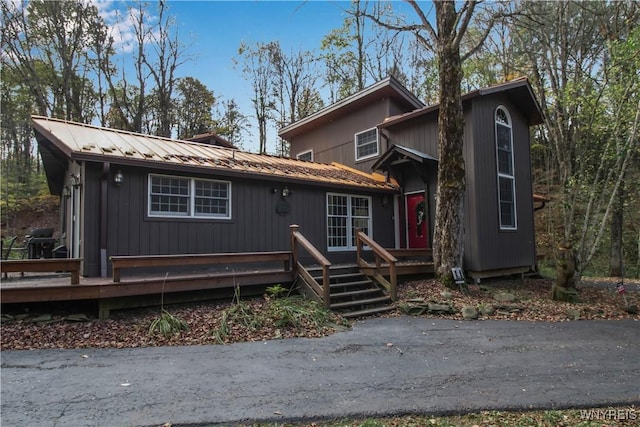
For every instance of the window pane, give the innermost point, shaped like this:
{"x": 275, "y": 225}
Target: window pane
{"x": 169, "y": 195}
{"x": 366, "y": 144}
{"x": 507, "y": 202}
{"x": 503, "y": 137}
{"x": 211, "y": 198}
{"x": 504, "y": 163}
{"x": 307, "y": 155}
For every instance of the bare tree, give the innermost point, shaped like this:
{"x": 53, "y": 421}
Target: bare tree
{"x": 256, "y": 67}
{"x": 445, "y": 41}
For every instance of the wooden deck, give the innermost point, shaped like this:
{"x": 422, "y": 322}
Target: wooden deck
{"x": 143, "y": 288}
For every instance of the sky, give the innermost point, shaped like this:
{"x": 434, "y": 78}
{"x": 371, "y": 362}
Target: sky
{"x": 213, "y": 30}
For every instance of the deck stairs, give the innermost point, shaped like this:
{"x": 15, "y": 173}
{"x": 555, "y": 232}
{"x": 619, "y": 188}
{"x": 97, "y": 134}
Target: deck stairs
{"x": 353, "y": 294}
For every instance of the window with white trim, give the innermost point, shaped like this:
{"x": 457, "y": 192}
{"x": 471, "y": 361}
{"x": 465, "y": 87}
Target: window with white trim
{"x": 174, "y": 196}
{"x": 305, "y": 155}
{"x": 346, "y": 214}
{"x": 366, "y": 144}
{"x": 506, "y": 177}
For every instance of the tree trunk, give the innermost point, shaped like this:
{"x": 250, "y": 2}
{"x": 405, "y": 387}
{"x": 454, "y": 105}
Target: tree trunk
{"x": 615, "y": 255}
{"x": 448, "y": 238}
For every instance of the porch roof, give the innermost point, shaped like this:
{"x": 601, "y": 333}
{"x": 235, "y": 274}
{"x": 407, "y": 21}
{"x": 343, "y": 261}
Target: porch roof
{"x": 398, "y": 154}
{"x": 91, "y": 143}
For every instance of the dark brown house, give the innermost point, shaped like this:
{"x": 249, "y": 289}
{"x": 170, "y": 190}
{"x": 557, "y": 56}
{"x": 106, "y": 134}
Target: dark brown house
{"x": 124, "y": 193}
{"x": 384, "y": 128}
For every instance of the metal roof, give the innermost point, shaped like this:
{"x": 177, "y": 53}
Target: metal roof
{"x": 388, "y": 87}
{"x": 91, "y": 143}
{"x": 519, "y": 90}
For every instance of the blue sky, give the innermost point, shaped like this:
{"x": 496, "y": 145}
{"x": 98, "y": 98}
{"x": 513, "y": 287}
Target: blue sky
{"x": 215, "y": 29}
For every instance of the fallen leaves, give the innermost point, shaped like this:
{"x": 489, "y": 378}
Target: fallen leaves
{"x": 129, "y": 328}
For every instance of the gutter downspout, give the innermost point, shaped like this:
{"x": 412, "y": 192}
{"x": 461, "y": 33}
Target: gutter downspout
{"x": 104, "y": 185}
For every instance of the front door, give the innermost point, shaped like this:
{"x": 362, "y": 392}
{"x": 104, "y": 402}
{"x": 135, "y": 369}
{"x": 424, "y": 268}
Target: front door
{"x": 417, "y": 216}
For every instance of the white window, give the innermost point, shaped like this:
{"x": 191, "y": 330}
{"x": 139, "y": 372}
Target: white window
{"x": 366, "y": 144}
{"x": 506, "y": 177}
{"x": 345, "y": 215}
{"x": 173, "y": 196}
{"x": 305, "y": 155}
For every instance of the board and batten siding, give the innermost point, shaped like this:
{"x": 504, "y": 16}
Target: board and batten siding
{"x": 334, "y": 141}
{"x": 487, "y": 247}
{"x": 255, "y": 226}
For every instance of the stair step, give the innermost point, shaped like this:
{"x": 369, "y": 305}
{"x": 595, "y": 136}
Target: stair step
{"x": 335, "y": 278}
{"x": 350, "y": 284}
{"x": 355, "y": 293}
{"x": 360, "y": 302}
{"x": 367, "y": 311}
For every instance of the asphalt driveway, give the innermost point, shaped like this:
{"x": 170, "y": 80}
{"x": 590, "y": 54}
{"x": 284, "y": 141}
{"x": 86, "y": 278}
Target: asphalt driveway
{"x": 380, "y": 367}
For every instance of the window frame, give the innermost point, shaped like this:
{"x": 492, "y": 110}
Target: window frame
{"x": 349, "y": 223}
{"x": 190, "y": 214}
{"x": 356, "y": 145}
{"x": 300, "y": 154}
{"x": 508, "y": 175}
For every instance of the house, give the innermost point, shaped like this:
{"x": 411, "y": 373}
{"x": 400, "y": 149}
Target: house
{"x": 124, "y": 193}
{"x": 386, "y": 129}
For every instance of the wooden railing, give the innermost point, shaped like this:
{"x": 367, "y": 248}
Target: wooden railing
{"x": 381, "y": 255}
{"x": 321, "y": 291}
{"x": 158, "y": 261}
{"x": 48, "y": 265}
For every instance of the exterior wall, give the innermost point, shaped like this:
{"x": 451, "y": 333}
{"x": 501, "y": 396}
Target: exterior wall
{"x": 90, "y": 217}
{"x": 254, "y": 225}
{"x": 334, "y": 142}
{"x": 486, "y": 246}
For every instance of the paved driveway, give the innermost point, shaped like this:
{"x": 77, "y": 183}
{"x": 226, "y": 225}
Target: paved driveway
{"x": 433, "y": 366}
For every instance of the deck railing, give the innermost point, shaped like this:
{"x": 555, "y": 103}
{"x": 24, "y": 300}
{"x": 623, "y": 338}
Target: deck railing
{"x": 381, "y": 255}
{"x": 160, "y": 261}
{"x": 320, "y": 291}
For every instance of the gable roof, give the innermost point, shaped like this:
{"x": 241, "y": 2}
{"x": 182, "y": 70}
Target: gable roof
{"x": 399, "y": 154}
{"x": 91, "y": 143}
{"x": 519, "y": 91}
{"x": 388, "y": 87}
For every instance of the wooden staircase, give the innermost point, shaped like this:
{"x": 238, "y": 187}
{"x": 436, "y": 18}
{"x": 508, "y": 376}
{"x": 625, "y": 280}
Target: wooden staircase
{"x": 353, "y": 294}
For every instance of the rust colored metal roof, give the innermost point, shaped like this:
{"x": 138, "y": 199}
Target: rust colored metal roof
{"x": 86, "y": 142}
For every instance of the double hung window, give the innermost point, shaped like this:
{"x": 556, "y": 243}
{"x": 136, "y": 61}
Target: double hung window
{"x": 366, "y": 144}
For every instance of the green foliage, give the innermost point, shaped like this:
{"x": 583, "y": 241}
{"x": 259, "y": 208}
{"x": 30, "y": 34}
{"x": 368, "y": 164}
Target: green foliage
{"x": 296, "y": 311}
{"x": 167, "y": 325}
{"x": 276, "y": 291}
{"x": 292, "y": 312}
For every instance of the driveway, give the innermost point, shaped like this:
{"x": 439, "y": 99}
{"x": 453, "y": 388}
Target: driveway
{"x": 380, "y": 367}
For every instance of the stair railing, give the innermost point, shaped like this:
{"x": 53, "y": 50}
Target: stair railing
{"x": 321, "y": 291}
{"x": 381, "y": 255}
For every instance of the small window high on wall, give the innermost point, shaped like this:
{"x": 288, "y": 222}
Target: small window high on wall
{"x": 174, "y": 196}
{"x": 305, "y": 155}
{"x": 366, "y": 144}
{"x": 506, "y": 177}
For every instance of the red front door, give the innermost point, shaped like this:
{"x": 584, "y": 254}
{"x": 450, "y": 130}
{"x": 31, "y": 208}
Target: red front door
{"x": 417, "y": 216}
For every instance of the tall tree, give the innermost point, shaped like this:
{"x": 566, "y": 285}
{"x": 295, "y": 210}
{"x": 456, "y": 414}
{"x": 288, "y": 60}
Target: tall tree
{"x": 194, "y": 107}
{"x": 445, "y": 41}
{"x": 47, "y": 44}
{"x": 357, "y": 54}
{"x": 230, "y": 123}
{"x": 584, "y": 70}
{"x": 256, "y": 67}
